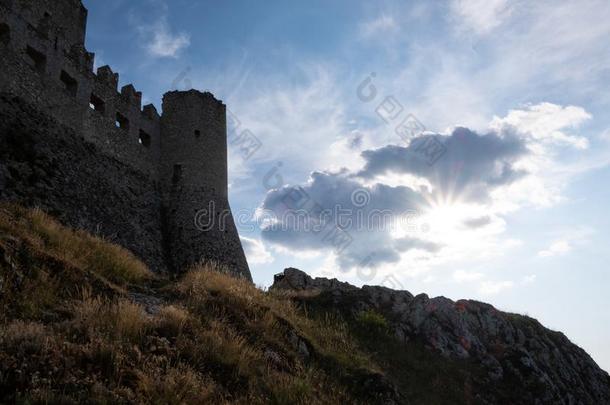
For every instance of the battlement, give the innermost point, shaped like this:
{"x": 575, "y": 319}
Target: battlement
{"x": 43, "y": 60}
{"x": 132, "y": 96}
{"x": 106, "y": 76}
{"x": 205, "y": 96}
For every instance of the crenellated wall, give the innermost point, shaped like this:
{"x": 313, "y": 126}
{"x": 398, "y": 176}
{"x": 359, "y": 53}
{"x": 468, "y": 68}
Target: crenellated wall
{"x": 124, "y": 186}
{"x": 47, "y": 164}
{"x": 51, "y": 68}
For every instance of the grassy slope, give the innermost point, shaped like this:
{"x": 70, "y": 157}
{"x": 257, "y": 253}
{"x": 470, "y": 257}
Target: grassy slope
{"x": 71, "y": 331}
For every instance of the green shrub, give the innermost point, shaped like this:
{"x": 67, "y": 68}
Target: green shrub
{"x": 372, "y": 321}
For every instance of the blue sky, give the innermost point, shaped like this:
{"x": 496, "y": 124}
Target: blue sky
{"x": 513, "y": 212}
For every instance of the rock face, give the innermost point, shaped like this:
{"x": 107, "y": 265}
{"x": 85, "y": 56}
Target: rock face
{"x": 543, "y": 366}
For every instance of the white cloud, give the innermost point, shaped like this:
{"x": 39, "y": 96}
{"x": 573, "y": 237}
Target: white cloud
{"x": 547, "y": 123}
{"x": 605, "y": 136}
{"x": 480, "y": 16}
{"x": 297, "y": 121}
{"x": 557, "y": 248}
{"x": 255, "y": 251}
{"x": 529, "y": 279}
{"x": 551, "y": 48}
{"x": 161, "y": 42}
{"x": 566, "y": 240}
{"x": 494, "y": 287}
{"x": 556, "y": 153}
{"x": 462, "y": 276}
{"x": 381, "y": 25}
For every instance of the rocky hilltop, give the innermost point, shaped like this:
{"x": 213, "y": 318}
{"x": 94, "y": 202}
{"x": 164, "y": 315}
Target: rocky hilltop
{"x": 520, "y": 358}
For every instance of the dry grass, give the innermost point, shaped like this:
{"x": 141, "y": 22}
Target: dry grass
{"x": 122, "y": 320}
{"x": 216, "y": 339}
{"x": 172, "y": 319}
{"x": 210, "y": 283}
{"x": 238, "y": 305}
{"x": 176, "y": 385}
{"x": 218, "y": 344}
{"x": 75, "y": 247}
{"x": 211, "y": 278}
{"x": 29, "y": 337}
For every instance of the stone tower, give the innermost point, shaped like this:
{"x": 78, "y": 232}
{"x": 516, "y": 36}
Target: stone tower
{"x": 194, "y": 182}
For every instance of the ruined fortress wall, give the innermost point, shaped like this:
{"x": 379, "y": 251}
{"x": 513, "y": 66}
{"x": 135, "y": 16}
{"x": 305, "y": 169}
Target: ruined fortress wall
{"x": 59, "y": 153}
{"x": 96, "y": 158}
{"x": 48, "y": 165}
{"x": 45, "y": 62}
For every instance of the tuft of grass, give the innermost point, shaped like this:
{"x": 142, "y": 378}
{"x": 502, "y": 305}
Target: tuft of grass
{"x": 122, "y": 320}
{"x": 211, "y": 278}
{"x": 176, "y": 385}
{"x": 42, "y": 292}
{"x": 172, "y": 320}
{"x": 331, "y": 334}
{"x": 292, "y": 390}
{"x": 130, "y": 321}
{"x": 217, "y": 343}
{"x": 27, "y": 337}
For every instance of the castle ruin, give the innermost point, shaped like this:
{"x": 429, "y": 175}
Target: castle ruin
{"x": 75, "y": 146}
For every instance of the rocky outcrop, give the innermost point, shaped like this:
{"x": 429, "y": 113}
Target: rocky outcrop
{"x": 540, "y": 366}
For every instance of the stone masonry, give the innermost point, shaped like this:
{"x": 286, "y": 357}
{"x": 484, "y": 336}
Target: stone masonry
{"x": 73, "y": 145}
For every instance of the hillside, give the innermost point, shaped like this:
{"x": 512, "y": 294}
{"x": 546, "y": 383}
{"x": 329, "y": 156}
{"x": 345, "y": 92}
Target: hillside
{"x": 503, "y": 357}
{"x": 83, "y": 320}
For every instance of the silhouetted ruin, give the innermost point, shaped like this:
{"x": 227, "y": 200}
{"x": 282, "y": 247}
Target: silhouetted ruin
{"x": 75, "y": 146}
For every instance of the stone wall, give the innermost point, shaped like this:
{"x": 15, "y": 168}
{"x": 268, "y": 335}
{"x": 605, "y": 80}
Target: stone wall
{"x": 91, "y": 155}
{"x": 48, "y": 165}
{"x": 54, "y": 72}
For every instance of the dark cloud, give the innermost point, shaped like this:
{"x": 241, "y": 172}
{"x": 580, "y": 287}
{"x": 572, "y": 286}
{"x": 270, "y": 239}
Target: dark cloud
{"x": 333, "y": 208}
{"x": 470, "y": 166}
{"x": 356, "y": 141}
{"x": 329, "y": 190}
{"x": 480, "y": 222}
{"x": 404, "y": 244}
